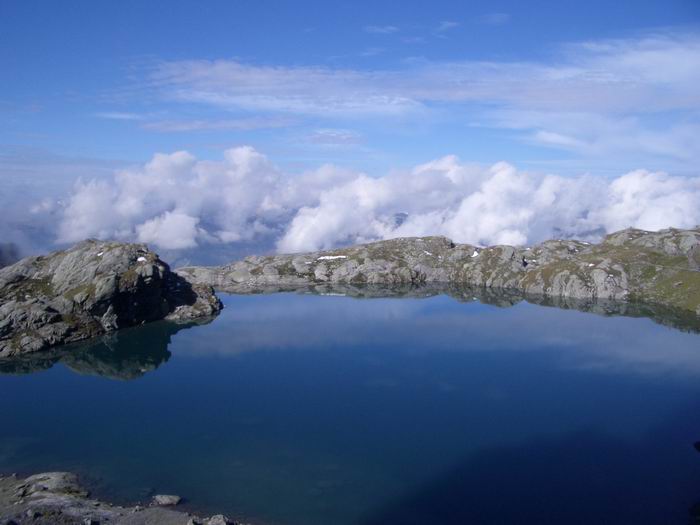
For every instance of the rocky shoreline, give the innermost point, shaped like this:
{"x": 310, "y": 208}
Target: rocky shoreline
{"x": 98, "y": 287}
{"x": 656, "y": 268}
{"x": 57, "y": 498}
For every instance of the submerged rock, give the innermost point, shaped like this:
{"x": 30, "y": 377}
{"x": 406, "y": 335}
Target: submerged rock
{"x": 90, "y": 289}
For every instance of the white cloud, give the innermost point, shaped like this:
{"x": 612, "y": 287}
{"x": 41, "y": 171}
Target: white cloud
{"x": 335, "y": 137}
{"x": 172, "y": 230}
{"x": 118, "y": 115}
{"x": 635, "y": 96}
{"x": 381, "y": 30}
{"x": 650, "y": 201}
{"x": 655, "y": 73}
{"x": 176, "y": 201}
{"x": 244, "y": 124}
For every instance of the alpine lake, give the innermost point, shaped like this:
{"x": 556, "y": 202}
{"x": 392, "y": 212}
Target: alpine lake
{"x": 298, "y": 408}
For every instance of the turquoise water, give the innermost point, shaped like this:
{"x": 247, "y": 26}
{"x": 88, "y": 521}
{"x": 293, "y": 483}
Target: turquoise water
{"x": 297, "y": 409}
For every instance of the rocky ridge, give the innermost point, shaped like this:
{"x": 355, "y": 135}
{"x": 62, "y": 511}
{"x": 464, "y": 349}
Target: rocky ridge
{"x": 93, "y": 288}
{"x": 659, "y": 268}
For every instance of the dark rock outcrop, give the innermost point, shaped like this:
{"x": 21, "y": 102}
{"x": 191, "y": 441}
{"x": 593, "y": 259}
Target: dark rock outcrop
{"x": 90, "y": 289}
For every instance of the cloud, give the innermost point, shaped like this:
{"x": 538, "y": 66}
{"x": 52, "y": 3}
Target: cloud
{"x": 635, "y": 96}
{"x": 176, "y": 201}
{"x": 446, "y": 25}
{"x": 118, "y": 115}
{"x": 650, "y": 74}
{"x": 33, "y": 181}
{"x": 243, "y": 124}
{"x": 494, "y": 19}
{"x": 317, "y": 90}
{"x": 381, "y": 30}
{"x": 596, "y": 135}
{"x": 335, "y": 137}
{"x": 173, "y": 230}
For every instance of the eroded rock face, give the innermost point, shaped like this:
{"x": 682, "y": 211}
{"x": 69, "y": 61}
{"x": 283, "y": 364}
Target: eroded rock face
{"x": 630, "y": 265}
{"x": 90, "y": 289}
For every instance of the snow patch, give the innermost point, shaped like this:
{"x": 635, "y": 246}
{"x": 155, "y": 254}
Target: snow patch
{"x": 475, "y": 254}
{"x": 331, "y": 257}
{"x": 141, "y": 259}
{"x": 100, "y": 254}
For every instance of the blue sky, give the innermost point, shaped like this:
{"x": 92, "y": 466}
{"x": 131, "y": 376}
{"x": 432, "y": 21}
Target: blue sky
{"x": 569, "y": 88}
{"x": 67, "y": 65}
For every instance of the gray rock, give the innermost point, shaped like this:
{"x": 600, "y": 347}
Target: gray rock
{"x": 630, "y": 265}
{"x": 694, "y": 258}
{"x": 166, "y": 500}
{"x": 219, "y": 519}
{"x": 93, "y": 288}
{"x": 56, "y": 498}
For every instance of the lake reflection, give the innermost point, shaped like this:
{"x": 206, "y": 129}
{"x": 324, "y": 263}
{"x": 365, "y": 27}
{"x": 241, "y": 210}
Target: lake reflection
{"x": 295, "y": 408}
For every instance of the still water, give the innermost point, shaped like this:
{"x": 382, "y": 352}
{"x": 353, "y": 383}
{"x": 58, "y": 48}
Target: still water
{"x": 298, "y": 409}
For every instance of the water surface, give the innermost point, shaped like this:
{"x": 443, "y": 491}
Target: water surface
{"x": 297, "y": 409}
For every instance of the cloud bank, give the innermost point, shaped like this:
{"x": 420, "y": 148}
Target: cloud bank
{"x": 176, "y": 201}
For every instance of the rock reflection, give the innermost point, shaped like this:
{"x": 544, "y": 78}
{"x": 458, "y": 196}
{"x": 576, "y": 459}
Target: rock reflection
{"x": 683, "y": 320}
{"x": 124, "y": 355}
{"x": 131, "y": 353}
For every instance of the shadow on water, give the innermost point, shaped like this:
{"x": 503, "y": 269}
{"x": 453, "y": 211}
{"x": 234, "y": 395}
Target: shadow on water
{"x": 581, "y": 477}
{"x": 677, "y": 318}
{"x": 124, "y": 355}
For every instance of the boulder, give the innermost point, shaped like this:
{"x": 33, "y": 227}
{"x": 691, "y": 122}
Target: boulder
{"x": 166, "y": 500}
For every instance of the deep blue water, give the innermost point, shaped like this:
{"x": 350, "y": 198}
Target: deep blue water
{"x": 296, "y": 409}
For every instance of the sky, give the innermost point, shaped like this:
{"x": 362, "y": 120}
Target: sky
{"x": 289, "y": 126}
